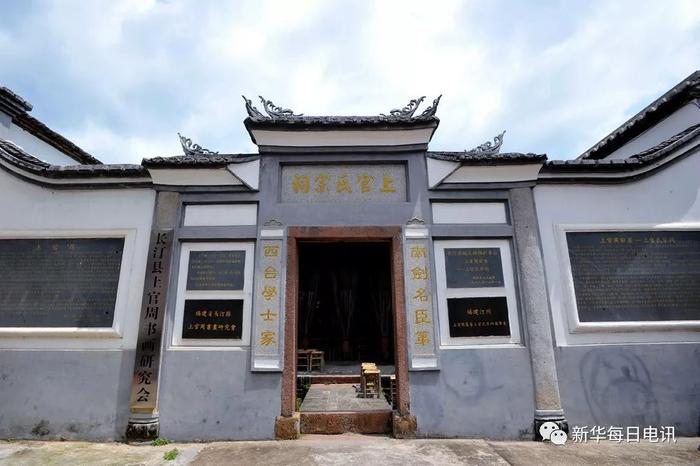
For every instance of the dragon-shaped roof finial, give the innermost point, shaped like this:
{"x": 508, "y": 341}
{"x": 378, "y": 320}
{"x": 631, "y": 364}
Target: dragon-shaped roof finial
{"x": 407, "y": 111}
{"x": 190, "y": 148}
{"x": 275, "y": 111}
{"x": 488, "y": 148}
{"x": 253, "y": 112}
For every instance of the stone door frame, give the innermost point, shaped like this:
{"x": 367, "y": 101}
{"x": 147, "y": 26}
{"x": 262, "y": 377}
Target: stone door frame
{"x": 391, "y": 234}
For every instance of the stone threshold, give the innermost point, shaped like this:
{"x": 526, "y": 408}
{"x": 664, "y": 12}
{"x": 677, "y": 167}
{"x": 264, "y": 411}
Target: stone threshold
{"x": 365, "y": 422}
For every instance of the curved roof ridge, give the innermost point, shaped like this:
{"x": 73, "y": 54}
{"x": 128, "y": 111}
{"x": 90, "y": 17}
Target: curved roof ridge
{"x": 656, "y": 111}
{"x": 18, "y": 157}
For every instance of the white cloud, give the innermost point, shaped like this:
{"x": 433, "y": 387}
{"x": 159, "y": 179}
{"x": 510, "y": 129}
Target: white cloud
{"x": 124, "y": 148}
{"x": 127, "y": 75}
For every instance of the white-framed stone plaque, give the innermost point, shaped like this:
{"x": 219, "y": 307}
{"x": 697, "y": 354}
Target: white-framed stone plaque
{"x": 639, "y": 276}
{"x": 423, "y": 347}
{"x": 268, "y": 297}
{"x": 342, "y": 183}
{"x": 59, "y": 282}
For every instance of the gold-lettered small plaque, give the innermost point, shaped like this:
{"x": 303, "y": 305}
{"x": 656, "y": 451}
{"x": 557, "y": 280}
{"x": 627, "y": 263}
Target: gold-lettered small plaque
{"x": 478, "y": 317}
{"x": 213, "y": 319}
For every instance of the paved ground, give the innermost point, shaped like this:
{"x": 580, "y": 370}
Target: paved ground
{"x": 340, "y": 397}
{"x": 350, "y": 449}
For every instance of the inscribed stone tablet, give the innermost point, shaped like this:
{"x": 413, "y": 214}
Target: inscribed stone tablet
{"x": 216, "y": 270}
{"x": 478, "y": 317}
{"x": 66, "y": 282}
{"x": 369, "y": 183}
{"x": 473, "y": 267}
{"x": 213, "y": 318}
{"x": 636, "y": 275}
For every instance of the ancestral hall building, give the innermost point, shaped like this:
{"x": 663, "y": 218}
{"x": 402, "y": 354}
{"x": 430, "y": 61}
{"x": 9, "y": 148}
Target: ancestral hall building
{"x": 347, "y": 278}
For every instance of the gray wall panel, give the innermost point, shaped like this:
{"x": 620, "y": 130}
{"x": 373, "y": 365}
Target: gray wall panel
{"x": 646, "y": 385}
{"x": 477, "y": 393}
{"x": 65, "y": 394}
{"x": 212, "y": 395}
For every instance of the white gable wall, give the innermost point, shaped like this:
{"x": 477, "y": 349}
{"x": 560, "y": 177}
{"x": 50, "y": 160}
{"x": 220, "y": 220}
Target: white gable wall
{"x": 670, "y": 198}
{"x": 678, "y": 121}
{"x": 29, "y": 210}
{"x": 31, "y": 144}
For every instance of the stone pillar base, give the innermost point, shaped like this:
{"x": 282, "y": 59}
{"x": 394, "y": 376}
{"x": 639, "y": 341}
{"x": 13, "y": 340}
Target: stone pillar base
{"x": 144, "y": 429}
{"x": 288, "y": 428}
{"x": 404, "y": 426}
{"x": 555, "y": 416}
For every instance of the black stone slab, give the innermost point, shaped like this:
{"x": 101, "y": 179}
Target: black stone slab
{"x": 216, "y": 270}
{"x": 473, "y": 267}
{"x": 478, "y": 317}
{"x": 636, "y": 275}
{"x": 213, "y": 319}
{"x": 67, "y": 282}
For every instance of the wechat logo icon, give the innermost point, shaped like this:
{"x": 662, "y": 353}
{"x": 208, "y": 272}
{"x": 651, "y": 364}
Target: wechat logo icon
{"x": 551, "y": 431}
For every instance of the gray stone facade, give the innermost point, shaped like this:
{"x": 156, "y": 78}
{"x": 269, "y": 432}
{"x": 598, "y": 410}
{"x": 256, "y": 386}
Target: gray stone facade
{"x": 66, "y": 383}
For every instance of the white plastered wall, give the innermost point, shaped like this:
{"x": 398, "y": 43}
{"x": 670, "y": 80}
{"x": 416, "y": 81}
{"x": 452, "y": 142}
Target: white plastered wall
{"x": 28, "y": 210}
{"x": 31, "y": 144}
{"x": 668, "y": 199}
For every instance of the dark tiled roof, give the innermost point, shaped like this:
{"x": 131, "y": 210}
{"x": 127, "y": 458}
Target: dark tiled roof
{"x": 662, "y": 107}
{"x": 18, "y": 109}
{"x": 339, "y": 121}
{"x": 203, "y": 161}
{"x": 13, "y": 103}
{"x": 669, "y": 144}
{"x": 326, "y": 123}
{"x": 281, "y": 118}
{"x": 506, "y": 158}
{"x": 633, "y": 162}
{"x": 22, "y": 158}
{"x": 19, "y": 158}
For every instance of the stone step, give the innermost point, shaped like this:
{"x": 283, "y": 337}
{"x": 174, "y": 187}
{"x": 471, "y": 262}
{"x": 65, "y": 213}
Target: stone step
{"x": 365, "y": 422}
{"x": 333, "y": 378}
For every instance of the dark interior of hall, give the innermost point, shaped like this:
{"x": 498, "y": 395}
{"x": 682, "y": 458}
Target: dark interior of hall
{"x": 345, "y": 307}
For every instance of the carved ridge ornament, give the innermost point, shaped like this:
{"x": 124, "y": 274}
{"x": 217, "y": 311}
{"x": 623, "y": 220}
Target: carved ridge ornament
{"x": 253, "y": 112}
{"x": 416, "y": 221}
{"x": 191, "y": 149}
{"x": 273, "y": 222}
{"x": 487, "y": 148}
{"x": 408, "y": 110}
{"x": 407, "y": 113}
{"x": 430, "y": 111}
{"x": 275, "y": 111}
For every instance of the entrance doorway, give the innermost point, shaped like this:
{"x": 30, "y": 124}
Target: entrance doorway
{"x": 345, "y": 307}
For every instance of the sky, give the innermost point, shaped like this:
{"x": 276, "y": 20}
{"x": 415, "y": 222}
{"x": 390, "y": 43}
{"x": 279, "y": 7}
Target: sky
{"x": 120, "y": 78}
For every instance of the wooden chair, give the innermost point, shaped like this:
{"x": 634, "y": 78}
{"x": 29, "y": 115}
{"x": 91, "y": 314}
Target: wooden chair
{"x": 303, "y": 360}
{"x": 316, "y": 361}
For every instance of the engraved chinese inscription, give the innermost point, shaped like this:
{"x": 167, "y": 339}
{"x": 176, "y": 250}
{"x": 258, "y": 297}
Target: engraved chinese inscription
{"x": 478, "y": 317}
{"x": 144, "y": 386}
{"x": 636, "y": 275}
{"x": 213, "y": 318}
{"x": 473, "y": 267}
{"x": 344, "y": 183}
{"x": 216, "y": 270}
{"x": 267, "y": 306}
{"x": 67, "y": 282}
